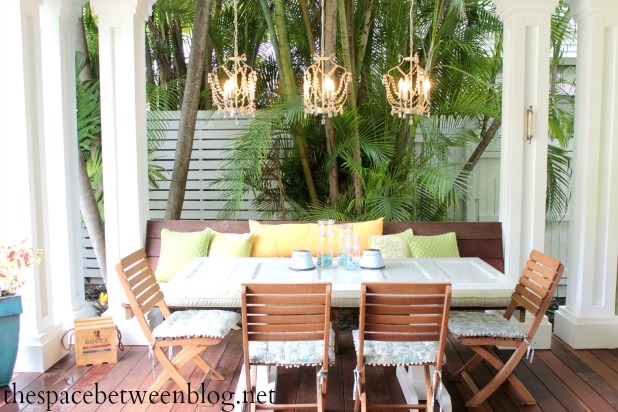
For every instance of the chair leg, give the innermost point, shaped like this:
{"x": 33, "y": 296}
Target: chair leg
{"x": 206, "y": 367}
{"x": 169, "y": 371}
{"x": 500, "y": 377}
{"x": 470, "y": 365}
{"x": 428, "y": 389}
{"x": 334, "y": 319}
{"x": 490, "y": 357}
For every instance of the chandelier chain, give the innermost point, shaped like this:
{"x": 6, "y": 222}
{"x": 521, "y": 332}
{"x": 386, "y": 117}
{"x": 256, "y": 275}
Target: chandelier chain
{"x": 325, "y": 86}
{"x": 233, "y": 90}
{"x": 407, "y": 84}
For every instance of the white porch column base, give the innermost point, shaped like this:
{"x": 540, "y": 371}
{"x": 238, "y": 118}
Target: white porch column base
{"x": 586, "y": 333}
{"x": 523, "y": 165}
{"x": 38, "y": 354}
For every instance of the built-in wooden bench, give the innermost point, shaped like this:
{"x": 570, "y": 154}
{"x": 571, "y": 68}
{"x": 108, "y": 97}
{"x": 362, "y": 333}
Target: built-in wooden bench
{"x": 474, "y": 239}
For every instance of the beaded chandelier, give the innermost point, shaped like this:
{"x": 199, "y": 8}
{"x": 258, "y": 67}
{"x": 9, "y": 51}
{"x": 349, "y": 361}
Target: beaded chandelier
{"x": 237, "y": 96}
{"x": 407, "y": 91}
{"x": 326, "y": 84}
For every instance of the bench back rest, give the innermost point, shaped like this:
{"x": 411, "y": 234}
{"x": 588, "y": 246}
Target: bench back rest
{"x": 474, "y": 239}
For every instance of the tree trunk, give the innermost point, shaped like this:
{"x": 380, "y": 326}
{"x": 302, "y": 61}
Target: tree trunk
{"x": 352, "y": 99}
{"x": 178, "y": 47}
{"x": 274, "y": 40}
{"x": 150, "y": 75}
{"x": 188, "y": 113}
{"x": 330, "y": 47}
{"x": 308, "y": 26}
{"x": 87, "y": 202}
{"x": 159, "y": 46}
{"x": 286, "y": 73}
{"x": 207, "y": 102}
{"x": 364, "y": 39}
{"x": 92, "y": 218}
{"x": 81, "y": 46}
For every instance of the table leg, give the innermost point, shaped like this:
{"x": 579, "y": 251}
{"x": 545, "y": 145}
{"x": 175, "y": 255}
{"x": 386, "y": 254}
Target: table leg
{"x": 266, "y": 381}
{"x": 412, "y": 382}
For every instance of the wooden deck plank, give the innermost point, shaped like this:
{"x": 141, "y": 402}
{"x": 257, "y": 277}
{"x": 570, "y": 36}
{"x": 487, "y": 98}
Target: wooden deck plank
{"x": 19, "y": 382}
{"x": 228, "y": 366}
{"x": 287, "y": 384}
{"x": 607, "y": 357}
{"x": 560, "y": 379}
{"x": 334, "y": 396}
{"x": 499, "y": 400}
{"x": 453, "y": 364}
{"x": 348, "y": 364}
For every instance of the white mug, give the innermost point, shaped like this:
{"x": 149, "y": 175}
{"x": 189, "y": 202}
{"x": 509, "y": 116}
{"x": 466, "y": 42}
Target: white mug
{"x": 372, "y": 259}
{"x": 301, "y": 260}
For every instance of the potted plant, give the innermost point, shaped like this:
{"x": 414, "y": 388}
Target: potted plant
{"x": 15, "y": 262}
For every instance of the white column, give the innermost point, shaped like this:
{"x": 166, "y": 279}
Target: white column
{"x": 27, "y": 189}
{"x": 59, "y": 20}
{"x": 523, "y": 167}
{"x": 589, "y": 318}
{"x": 122, "y": 71}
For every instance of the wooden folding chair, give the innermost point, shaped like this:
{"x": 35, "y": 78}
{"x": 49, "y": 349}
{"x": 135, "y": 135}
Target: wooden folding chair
{"x": 481, "y": 331}
{"x": 402, "y": 324}
{"x": 287, "y": 325}
{"x": 194, "y": 330}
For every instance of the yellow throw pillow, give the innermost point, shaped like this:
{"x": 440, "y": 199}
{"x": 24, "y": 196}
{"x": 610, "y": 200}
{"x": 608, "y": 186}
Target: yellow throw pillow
{"x": 280, "y": 240}
{"x": 178, "y": 249}
{"x": 372, "y": 227}
{"x": 230, "y": 244}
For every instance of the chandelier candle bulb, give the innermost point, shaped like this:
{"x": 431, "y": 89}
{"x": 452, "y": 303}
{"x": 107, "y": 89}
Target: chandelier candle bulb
{"x": 237, "y": 96}
{"x": 407, "y": 84}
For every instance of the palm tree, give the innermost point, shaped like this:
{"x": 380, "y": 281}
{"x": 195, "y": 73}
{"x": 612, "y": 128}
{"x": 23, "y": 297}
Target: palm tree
{"x": 400, "y": 177}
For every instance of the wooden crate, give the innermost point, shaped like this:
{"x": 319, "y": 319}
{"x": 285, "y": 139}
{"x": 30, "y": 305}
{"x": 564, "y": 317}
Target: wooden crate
{"x": 95, "y": 341}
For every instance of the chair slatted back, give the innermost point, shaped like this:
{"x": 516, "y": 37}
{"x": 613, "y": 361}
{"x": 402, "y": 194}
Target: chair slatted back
{"x": 286, "y": 312}
{"x": 404, "y": 312}
{"x": 141, "y": 287}
{"x": 537, "y": 284}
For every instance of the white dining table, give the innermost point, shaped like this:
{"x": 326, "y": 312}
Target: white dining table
{"x": 224, "y": 276}
{"x": 227, "y": 274}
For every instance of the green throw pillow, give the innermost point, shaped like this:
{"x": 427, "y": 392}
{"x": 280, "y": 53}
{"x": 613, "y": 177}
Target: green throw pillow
{"x": 440, "y": 246}
{"x": 230, "y": 244}
{"x": 178, "y": 249}
{"x": 392, "y": 246}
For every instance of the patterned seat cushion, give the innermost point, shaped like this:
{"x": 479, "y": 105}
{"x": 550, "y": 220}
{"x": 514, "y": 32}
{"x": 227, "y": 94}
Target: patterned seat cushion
{"x": 291, "y": 353}
{"x": 196, "y": 323}
{"x": 483, "y": 324}
{"x": 397, "y": 353}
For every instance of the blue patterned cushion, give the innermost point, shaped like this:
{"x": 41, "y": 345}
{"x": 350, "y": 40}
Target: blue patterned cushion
{"x": 397, "y": 353}
{"x": 291, "y": 353}
{"x": 196, "y": 323}
{"x": 482, "y": 324}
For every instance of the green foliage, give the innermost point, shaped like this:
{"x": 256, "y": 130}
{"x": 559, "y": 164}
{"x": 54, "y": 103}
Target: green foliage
{"x": 407, "y": 172}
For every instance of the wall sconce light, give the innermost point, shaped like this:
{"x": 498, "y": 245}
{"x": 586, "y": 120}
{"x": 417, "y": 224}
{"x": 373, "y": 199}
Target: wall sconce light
{"x": 530, "y": 124}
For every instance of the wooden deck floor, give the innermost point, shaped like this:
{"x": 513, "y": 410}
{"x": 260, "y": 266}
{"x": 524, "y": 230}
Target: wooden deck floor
{"x": 561, "y": 379}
